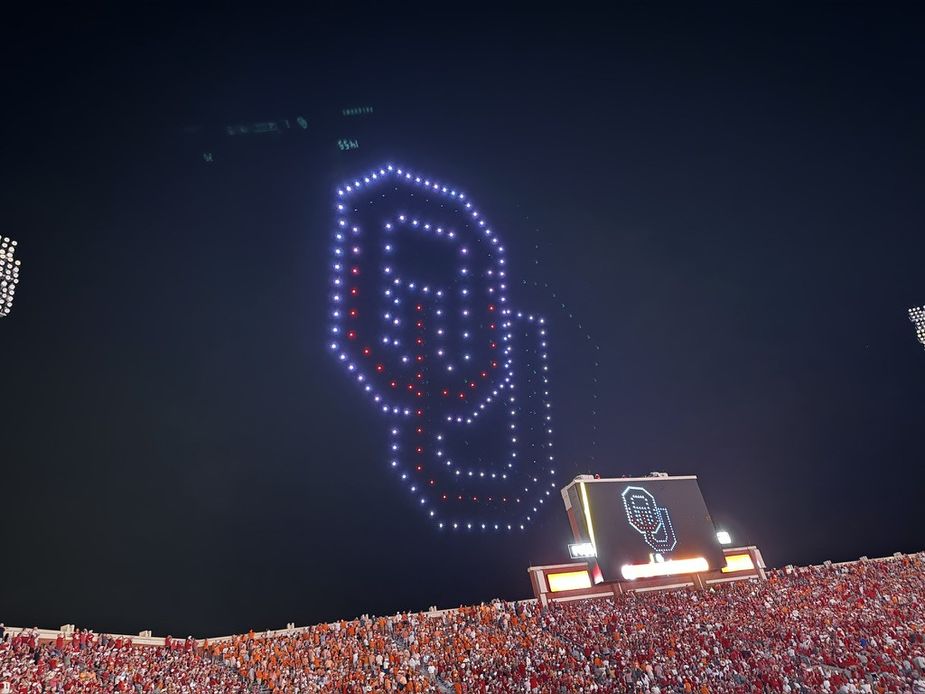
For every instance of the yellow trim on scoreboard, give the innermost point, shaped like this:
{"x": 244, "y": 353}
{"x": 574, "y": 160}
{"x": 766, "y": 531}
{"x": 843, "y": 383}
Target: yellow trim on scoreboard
{"x": 587, "y": 509}
{"x": 738, "y": 562}
{"x": 568, "y": 580}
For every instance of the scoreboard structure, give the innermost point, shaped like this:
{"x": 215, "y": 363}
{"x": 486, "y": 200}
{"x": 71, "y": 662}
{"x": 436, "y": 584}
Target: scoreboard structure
{"x": 642, "y": 527}
{"x": 641, "y": 533}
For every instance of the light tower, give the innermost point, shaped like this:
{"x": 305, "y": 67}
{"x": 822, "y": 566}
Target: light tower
{"x": 917, "y": 316}
{"x": 9, "y": 275}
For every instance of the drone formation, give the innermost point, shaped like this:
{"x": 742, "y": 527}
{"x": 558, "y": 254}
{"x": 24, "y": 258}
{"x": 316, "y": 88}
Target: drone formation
{"x": 421, "y": 322}
{"x": 9, "y": 275}
{"x": 917, "y": 316}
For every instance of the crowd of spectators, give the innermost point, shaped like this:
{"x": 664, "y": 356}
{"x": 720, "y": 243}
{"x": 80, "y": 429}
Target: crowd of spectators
{"x": 83, "y": 662}
{"x": 835, "y": 629}
{"x": 364, "y": 655}
{"x": 857, "y": 628}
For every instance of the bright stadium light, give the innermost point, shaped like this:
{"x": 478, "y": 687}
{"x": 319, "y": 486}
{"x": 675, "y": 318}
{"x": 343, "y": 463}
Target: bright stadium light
{"x": 582, "y": 550}
{"x": 672, "y": 567}
{"x": 9, "y": 275}
{"x": 917, "y": 316}
{"x": 723, "y": 538}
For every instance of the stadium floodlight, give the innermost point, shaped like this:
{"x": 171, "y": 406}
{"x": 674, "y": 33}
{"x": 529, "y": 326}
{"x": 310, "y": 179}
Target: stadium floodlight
{"x": 582, "y": 550}
{"x": 917, "y": 316}
{"x": 9, "y": 275}
{"x": 723, "y": 537}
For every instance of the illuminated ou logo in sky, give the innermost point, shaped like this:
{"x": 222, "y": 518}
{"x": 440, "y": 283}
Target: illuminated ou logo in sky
{"x": 649, "y": 519}
{"x": 420, "y": 321}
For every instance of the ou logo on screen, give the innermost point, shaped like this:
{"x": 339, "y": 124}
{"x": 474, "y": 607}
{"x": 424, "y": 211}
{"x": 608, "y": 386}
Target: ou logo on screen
{"x": 649, "y": 519}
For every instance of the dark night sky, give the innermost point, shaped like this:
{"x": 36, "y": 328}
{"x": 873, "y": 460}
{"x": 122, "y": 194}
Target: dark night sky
{"x": 728, "y": 200}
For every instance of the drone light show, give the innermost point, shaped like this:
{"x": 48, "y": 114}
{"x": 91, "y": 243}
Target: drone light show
{"x": 917, "y": 316}
{"x": 9, "y": 275}
{"x": 422, "y": 324}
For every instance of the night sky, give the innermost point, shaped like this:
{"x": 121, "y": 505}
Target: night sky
{"x": 720, "y": 212}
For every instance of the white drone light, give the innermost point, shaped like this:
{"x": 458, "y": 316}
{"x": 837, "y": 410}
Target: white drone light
{"x": 9, "y": 275}
{"x": 917, "y": 316}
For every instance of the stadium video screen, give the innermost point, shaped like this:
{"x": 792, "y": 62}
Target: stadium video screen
{"x": 649, "y": 521}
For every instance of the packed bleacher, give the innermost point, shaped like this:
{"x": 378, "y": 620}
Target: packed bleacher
{"x": 85, "y": 662}
{"x": 858, "y": 627}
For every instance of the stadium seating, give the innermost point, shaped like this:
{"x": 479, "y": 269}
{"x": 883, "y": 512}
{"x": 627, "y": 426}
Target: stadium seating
{"x": 857, "y": 627}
